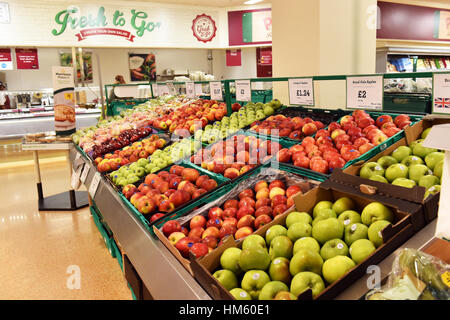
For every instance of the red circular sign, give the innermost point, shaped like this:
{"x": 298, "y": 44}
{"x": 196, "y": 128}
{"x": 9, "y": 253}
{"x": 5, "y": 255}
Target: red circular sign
{"x": 204, "y": 28}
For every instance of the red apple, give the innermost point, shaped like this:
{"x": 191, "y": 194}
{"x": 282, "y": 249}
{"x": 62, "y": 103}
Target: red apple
{"x": 215, "y": 212}
{"x": 246, "y": 193}
{"x": 190, "y": 174}
{"x": 231, "y": 173}
{"x": 171, "y": 226}
{"x": 210, "y": 241}
{"x": 244, "y": 211}
{"x": 262, "y": 220}
{"x": 217, "y": 222}
{"x": 196, "y": 232}
{"x": 197, "y": 221}
{"x": 246, "y": 221}
{"x": 243, "y": 232}
{"x": 278, "y": 199}
{"x": 401, "y": 118}
{"x": 320, "y": 166}
{"x": 302, "y": 162}
{"x": 156, "y": 216}
{"x": 230, "y": 221}
{"x": 309, "y": 129}
{"x": 279, "y": 209}
{"x": 276, "y": 183}
{"x": 199, "y": 250}
{"x": 267, "y": 210}
{"x": 292, "y": 190}
{"x": 226, "y": 230}
{"x": 383, "y": 119}
{"x": 262, "y": 202}
{"x": 184, "y": 245}
{"x": 229, "y": 212}
{"x": 211, "y": 231}
{"x": 232, "y": 203}
{"x": 365, "y": 147}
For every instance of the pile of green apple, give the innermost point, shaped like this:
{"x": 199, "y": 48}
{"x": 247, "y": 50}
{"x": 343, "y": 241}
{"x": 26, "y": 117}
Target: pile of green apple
{"x": 129, "y": 174}
{"x": 409, "y": 166}
{"x": 309, "y": 251}
{"x": 245, "y": 116}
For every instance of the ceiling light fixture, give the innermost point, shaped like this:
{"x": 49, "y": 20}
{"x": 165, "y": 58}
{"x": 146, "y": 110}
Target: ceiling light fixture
{"x": 252, "y": 1}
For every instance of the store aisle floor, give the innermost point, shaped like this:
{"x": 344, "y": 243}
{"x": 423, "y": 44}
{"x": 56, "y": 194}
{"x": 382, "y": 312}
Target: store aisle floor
{"x": 42, "y": 252}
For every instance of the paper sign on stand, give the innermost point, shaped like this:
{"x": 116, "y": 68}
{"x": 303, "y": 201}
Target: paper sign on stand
{"x": 365, "y": 92}
{"x": 301, "y": 91}
{"x": 155, "y": 89}
{"x": 163, "y": 89}
{"x": 198, "y": 89}
{"x": 190, "y": 90}
{"x": 438, "y": 138}
{"x": 243, "y": 90}
{"x": 441, "y": 92}
{"x": 215, "y": 88}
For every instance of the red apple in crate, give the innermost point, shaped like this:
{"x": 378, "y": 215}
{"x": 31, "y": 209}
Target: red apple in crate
{"x": 246, "y": 221}
{"x": 244, "y": 211}
{"x": 404, "y": 124}
{"x": 146, "y": 205}
{"x": 308, "y": 141}
{"x": 210, "y": 241}
{"x": 297, "y": 155}
{"x": 371, "y": 134}
{"x": 284, "y": 155}
{"x": 227, "y": 230}
{"x": 276, "y": 191}
{"x": 196, "y": 232}
{"x": 276, "y": 183}
{"x": 247, "y": 202}
{"x": 309, "y": 129}
{"x": 174, "y": 182}
{"x": 197, "y": 221}
{"x": 401, "y": 118}
{"x": 229, "y": 212}
{"x": 392, "y": 131}
{"x": 351, "y": 154}
{"x": 267, "y": 210}
{"x": 129, "y": 190}
{"x": 185, "y": 231}
{"x": 166, "y": 206}
{"x": 184, "y": 245}
{"x": 243, "y": 232}
{"x": 190, "y": 174}
{"x": 302, "y": 162}
{"x": 217, "y": 222}
{"x": 333, "y": 126}
{"x": 319, "y": 125}
{"x": 386, "y": 125}
{"x": 174, "y": 237}
{"x": 170, "y": 227}
{"x": 279, "y": 209}
{"x": 292, "y": 190}
{"x": 278, "y": 199}
{"x": 290, "y": 202}
{"x": 329, "y": 155}
{"x": 366, "y": 130}
{"x": 378, "y": 138}
{"x": 261, "y": 185}
{"x": 383, "y": 119}
{"x": 200, "y": 180}
{"x": 336, "y": 133}
{"x": 262, "y": 220}
{"x": 232, "y": 203}
{"x": 209, "y": 185}
{"x": 296, "y": 148}
{"x": 359, "y": 142}
{"x": 156, "y": 216}
{"x": 262, "y": 193}
{"x": 211, "y": 231}
{"x": 365, "y": 122}
{"x": 320, "y": 166}
{"x": 230, "y": 221}
{"x": 365, "y": 147}
{"x": 346, "y": 118}
{"x": 262, "y": 202}
{"x": 231, "y": 173}
{"x": 197, "y": 193}
{"x": 337, "y": 162}
{"x": 246, "y": 193}
{"x": 215, "y": 212}
{"x": 199, "y": 250}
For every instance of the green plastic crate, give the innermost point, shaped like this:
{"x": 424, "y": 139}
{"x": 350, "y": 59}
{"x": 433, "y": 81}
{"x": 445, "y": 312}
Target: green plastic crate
{"x": 407, "y": 103}
{"x": 102, "y": 230}
{"x": 116, "y": 107}
{"x": 132, "y": 293}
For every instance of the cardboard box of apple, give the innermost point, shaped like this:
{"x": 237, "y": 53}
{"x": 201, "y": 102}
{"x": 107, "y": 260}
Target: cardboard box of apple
{"x": 246, "y": 208}
{"x": 342, "y": 142}
{"x": 169, "y": 190}
{"x": 309, "y": 252}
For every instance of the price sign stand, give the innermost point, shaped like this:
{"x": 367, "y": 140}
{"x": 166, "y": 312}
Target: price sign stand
{"x": 301, "y": 91}
{"x": 66, "y": 201}
{"x": 365, "y": 92}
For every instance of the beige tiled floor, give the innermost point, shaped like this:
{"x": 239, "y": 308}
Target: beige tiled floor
{"x": 37, "y": 249}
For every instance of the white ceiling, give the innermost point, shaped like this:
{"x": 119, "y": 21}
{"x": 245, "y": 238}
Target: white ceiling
{"x": 208, "y": 3}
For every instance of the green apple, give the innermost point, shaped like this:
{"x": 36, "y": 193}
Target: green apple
{"x": 306, "y": 260}
{"x": 336, "y": 267}
{"x": 343, "y": 204}
{"x": 425, "y": 133}
{"x": 403, "y": 182}
{"x": 433, "y": 158}
{"x": 325, "y": 213}
{"x": 421, "y": 151}
{"x": 322, "y": 205}
{"x": 296, "y": 216}
{"x": 349, "y": 217}
{"x": 355, "y": 232}
{"x": 432, "y": 191}
{"x": 230, "y": 260}
{"x": 279, "y": 270}
{"x": 285, "y": 295}
{"x": 226, "y": 278}
{"x": 428, "y": 181}
{"x": 328, "y": 229}
{"x": 417, "y": 171}
{"x": 361, "y": 249}
{"x": 370, "y": 169}
{"x": 268, "y": 110}
{"x": 281, "y": 246}
{"x": 332, "y": 248}
{"x": 437, "y": 171}
{"x": 375, "y": 211}
{"x": 410, "y": 160}
{"x": 378, "y": 178}
{"x": 299, "y": 230}
{"x": 306, "y": 243}
{"x": 254, "y": 258}
{"x": 386, "y": 161}
{"x": 395, "y": 171}
{"x": 273, "y": 231}
{"x": 401, "y": 153}
{"x": 374, "y": 232}
{"x": 270, "y": 290}
{"x": 252, "y": 241}
{"x": 307, "y": 280}
{"x": 253, "y": 281}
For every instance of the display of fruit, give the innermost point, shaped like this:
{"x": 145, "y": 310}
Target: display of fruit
{"x": 294, "y": 128}
{"x": 249, "y": 211}
{"x": 167, "y": 190}
{"x": 137, "y": 150}
{"x": 340, "y": 143}
{"x": 408, "y": 166}
{"x": 310, "y": 251}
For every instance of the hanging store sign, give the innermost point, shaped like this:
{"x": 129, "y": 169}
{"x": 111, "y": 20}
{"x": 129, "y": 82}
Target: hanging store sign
{"x": 6, "y": 59}
{"x": 365, "y": 92}
{"x": 204, "y": 28}
{"x": 27, "y": 59}
{"x": 441, "y": 93}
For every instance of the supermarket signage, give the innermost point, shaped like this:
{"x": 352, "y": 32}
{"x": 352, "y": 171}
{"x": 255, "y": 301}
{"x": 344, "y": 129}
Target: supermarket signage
{"x": 198, "y": 89}
{"x": 301, "y": 91}
{"x": 204, "y": 28}
{"x": 163, "y": 89}
{"x": 94, "y": 184}
{"x": 243, "y": 90}
{"x": 441, "y": 92}
{"x": 27, "y": 59}
{"x": 190, "y": 90}
{"x": 442, "y": 25}
{"x": 215, "y": 89}
{"x": 365, "y": 92}
{"x": 4, "y": 12}
{"x": 85, "y": 172}
{"x": 6, "y": 59}
{"x": 96, "y": 24}
{"x": 155, "y": 90}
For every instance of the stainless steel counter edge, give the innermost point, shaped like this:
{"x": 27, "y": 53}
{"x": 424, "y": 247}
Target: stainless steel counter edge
{"x": 160, "y": 271}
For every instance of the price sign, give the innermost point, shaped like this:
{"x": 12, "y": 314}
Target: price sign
{"x": 163, "y": 89}
{"x": 441, "y": 92}
{"x": 216, "y": 90}
{"x": 75, "y": 181}
{"x": 190, "y": 90}
{"x": 94, "y": 184}
{"x": 155, "y": 90}
{"x": 198, "y": 89}
{"x": 243, "y": 90}
{"x": 172, "y": 89}
{"x": 365, "y": 92}
{"x": 84, "y": 174}
{"x": 301, "y": 91}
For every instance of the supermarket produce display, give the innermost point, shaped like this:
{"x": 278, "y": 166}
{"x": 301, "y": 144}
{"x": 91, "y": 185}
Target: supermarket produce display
{"x": 251, "y": 202}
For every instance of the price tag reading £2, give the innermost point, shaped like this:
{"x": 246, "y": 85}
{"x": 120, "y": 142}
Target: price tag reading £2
{"x": 243, "y": 90}
{"x": 94, "y": 184}
{"x": 215, "y": 88}
{"x": 301, "y": 91}
{"x": 365, "y": 92}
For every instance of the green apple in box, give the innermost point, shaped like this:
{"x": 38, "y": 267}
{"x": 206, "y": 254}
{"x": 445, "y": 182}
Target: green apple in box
{"x": 432, "y": 191}
{"x": 325, "y": 213}
{"x": 253, "y": 241}
{"x": 421, "y": 151}
{"x": 425, "y": 133}
{"x": 253, "y": 282}
{"x": 322, "y": 205}
{"x": 370, "y": 169}
{"x": 343, "y": 204}
{"x": 437, "y": 171}
{"x": 395, "y": 171}
{"x": 306, "y": 243}
{"x": 355, "y": 232}
{"x": 417, "y": 171}
{"x": 332, "y": 248}
{"x": 386, "y": 161}
{"x": 271, "y": 289}
{"x": 374, "y": 232}
{"x": 254, "y": 258}
{"x": 410, "y": 160}
{"x": 336, "y": 267}
{"x": 403, "y": 182}
{"x": 328, "y": 229}
{"x": 279, "y": 270}
{"x": 298, "y": 230}
{"x": 433, "y": 158}
{"x": 375, "y": 211}
{"x": 361, "y": 249}
{"x": 401, "y": 152}
{"x": 306, "y": 260}
{"x": 240, "y": 294}
{"x": 349, "y": 216}
{"x": 428, "y": 181}
{"x": 295, "y": 216}
{"x": 378, "y": 178}
{"x": 226, "y": 278}
{"x": 273, "y": 231}
{"x": 281, "y": 246}
{"x": 307, "y": 280}
{"x": 230, "y": 260}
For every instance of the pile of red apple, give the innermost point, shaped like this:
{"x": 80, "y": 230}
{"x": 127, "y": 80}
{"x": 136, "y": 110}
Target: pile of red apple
{"x": 294, "y": 128}
{"x": 236, "y": 155}
{"x": 192, "y": 117}
{"x": 239, "y": 217}
{"x": 339, "y": 143}
{"x": 167, "y": 190}
{"x": 129, "y": 154}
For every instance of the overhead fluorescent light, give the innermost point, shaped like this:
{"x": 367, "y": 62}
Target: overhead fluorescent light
{"x": 252, "y": 1}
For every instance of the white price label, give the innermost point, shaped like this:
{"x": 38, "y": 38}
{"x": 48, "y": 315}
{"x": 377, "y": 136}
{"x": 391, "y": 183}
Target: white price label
{"x": 155, "y": 90}
{"x": 190, "y": 90}
{"x": 85, "y": 172}
{"x": 301, "y": 91}
{"x": 198, "y": 89}
{"x": 172, "y": 89}
{"x": 163, "y": 89}
{"x": 243, "y": 90}
{"x": 75, "y": 181}
{"x": 215, "y": 89}
{"x": 94, "y": 184}
{"x": 441, "y": 92}
{"x": 365, "y": 92}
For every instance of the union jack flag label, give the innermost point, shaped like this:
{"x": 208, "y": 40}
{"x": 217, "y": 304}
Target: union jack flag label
{"x": 440, "y": 103}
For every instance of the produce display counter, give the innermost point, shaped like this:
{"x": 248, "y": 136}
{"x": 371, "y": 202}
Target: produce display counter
{"x": 163, "y": 275}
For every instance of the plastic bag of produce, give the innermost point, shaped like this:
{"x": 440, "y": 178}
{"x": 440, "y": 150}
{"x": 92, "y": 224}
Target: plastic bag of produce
{"x": 415, "y": 276}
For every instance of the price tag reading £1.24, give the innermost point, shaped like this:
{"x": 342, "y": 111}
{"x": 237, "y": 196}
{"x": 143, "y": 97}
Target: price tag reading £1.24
{"x": 301, "y": 91}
